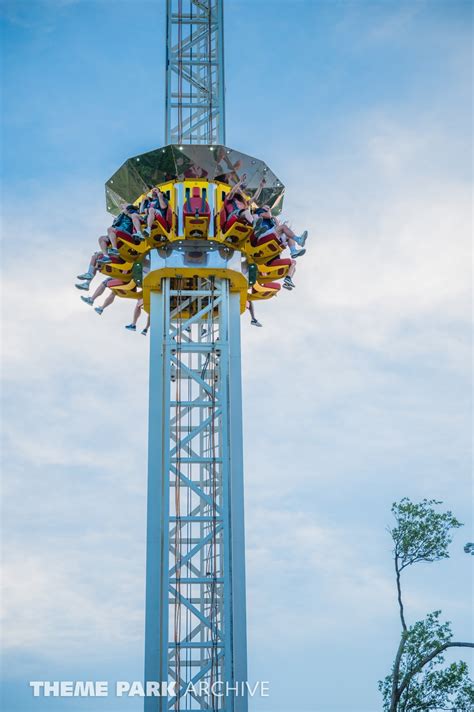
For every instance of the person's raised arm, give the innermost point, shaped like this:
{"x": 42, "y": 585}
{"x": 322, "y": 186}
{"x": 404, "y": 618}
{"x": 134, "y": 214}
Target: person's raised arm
{"x": 236, "y": 187}
{"x": 256, "y": 195}
{"x": 163, "y": 200}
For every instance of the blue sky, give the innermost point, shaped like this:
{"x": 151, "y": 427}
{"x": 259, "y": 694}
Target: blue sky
{"x": 363, "y": 110}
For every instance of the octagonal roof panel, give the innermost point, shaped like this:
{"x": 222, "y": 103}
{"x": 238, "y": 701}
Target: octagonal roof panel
{"x": 140, "y": 173}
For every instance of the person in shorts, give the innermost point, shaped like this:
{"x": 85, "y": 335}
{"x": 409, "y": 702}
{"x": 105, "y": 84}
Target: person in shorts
{"x": 136, "y": 315}
{"x": 126, "y": 221}
{"x": 266, "y": 224}
{"x": 100, "y": 290}
{"x": 155, "y": 204}
{"x": 91, "y": 271}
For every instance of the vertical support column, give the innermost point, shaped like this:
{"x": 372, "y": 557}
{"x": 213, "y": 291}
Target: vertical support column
{"x": 220, "y": 72}
{"x": 237, "y": 553}
{"x": 195, "y": 110}
{"x": 195, "y": 607}
{"x": 157, "y": 566}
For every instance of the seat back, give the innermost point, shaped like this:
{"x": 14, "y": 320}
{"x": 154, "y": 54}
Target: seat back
{"x": 196, "y": 202}
{"x": 130, "y": 248}
{"x": 126, "y": 290}
{"x": 263, "y": 291}
{"x": 264, "y": 249}
{"x": 117, "y": 268}
{"x": 276, "y": 269}
{"x": 196, "y": 210}
{"x": 164, "y": 227}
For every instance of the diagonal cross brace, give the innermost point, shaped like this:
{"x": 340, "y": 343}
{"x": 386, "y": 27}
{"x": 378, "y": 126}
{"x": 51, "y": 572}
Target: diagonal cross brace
{"x": 196, "y": 431}
{"x": 196, "y": 549}
{"x": 196, "y": 612}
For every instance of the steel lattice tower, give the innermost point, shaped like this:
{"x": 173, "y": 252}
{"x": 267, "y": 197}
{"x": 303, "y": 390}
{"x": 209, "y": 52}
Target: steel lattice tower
{"x": 195, "y": 627}
{"x": 195, "y": 598}
{"x": 195, "y": 72}
{"x": 194, "y": 268}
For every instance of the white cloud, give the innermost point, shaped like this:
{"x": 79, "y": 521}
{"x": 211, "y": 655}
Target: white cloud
{"x": 50, "y": 599}
{"x": 330, "y": 392}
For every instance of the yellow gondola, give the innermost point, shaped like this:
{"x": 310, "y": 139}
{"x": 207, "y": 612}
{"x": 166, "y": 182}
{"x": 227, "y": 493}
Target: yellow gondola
{"x": 276, "y": 269}
{"x": 263, "y": 291}
{"x": 130, "y": 248}
{"x": 126, "y": 290}
{"x": 164, "y": 227}
{"x": 196, "y": 198}
{"x": 232, "y": 232}
{"x": 263, "y": 249}
{"x": 116, "y": 270}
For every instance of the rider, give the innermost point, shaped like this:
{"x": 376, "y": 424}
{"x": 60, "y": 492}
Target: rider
{"x": 125, "y": 221}
{"x": 267, "y": 224}
{"x": 236, "y": 203}
{"x": 156, "y": 203}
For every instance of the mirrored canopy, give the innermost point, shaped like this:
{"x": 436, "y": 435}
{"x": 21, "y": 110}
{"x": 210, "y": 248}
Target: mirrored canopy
{"x": 140, "y": 173}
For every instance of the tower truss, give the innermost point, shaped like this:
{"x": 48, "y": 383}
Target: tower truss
{"x": 195, "y": 613}
{"x": 195, "y": 72}
{"x": 194, "y": 269}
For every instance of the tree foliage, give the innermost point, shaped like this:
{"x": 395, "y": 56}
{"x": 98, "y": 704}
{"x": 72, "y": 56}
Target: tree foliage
{"x": 418, "y": 681}
{"x": 421, "y": 533}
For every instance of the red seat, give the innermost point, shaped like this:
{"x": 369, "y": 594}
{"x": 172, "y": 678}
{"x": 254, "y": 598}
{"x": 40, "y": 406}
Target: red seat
{"x": 196, "y": 213}
{"x": 116, "y": 268}
{"x": 258, "y": 241}
{"x": 196, "y": 204}
{"x": 126, "y": 237}
{"x": 263, "y": 291}
{"x": 277, "y": 262}
{"x": 117, "y": 260}
{"x": 272, "y": 285}
{"x": 113, "y": 258}
{"x": 166, "y": 221}
{"x": 274, "y": 269}
{"x": 263, "y": 249}
{"x": 225, "y": 222}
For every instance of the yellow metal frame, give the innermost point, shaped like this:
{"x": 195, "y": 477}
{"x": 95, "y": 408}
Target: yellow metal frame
{"x": 167, "y": 188}
{"x": 260, "y": 254}
{"x": 190, "y": 223}
{"x": 127, "y": 291}
{"x": 159, "y": 235}
{"x": 237, "y": 237}
{"x": 262, "y": 292}
{"x": 117, "y": 271}
{"x": 152, "y": 282}
{"x": 270, "y": 273}
{"x": 130, "y": 252}
{"x": 239, "y": 233}
{"x": 222, "y": 189}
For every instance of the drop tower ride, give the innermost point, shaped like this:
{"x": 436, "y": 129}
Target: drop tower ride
{"x": 195, "y": 272}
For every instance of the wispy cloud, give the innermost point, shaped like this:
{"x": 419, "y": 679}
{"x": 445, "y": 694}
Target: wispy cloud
{"x": 355, "y": 394}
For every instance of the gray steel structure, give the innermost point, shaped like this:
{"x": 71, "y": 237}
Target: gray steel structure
{"x": 195, "y": 631}
{"x": 195, "y": 639}
{"x": 195, "y": 111}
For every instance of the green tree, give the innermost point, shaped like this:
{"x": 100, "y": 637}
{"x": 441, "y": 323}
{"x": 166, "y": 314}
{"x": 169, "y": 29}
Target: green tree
{"x": 418, "y": 681}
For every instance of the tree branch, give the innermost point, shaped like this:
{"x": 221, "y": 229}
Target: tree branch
{"x": 399, "y": 595}
{"x": 410, "y": 675}
{"x": 395, "y": 696}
